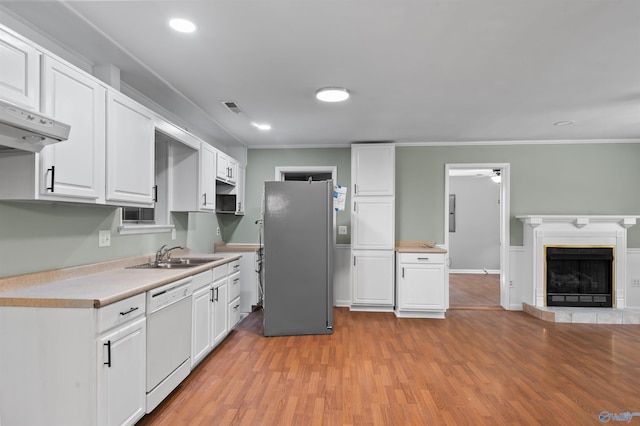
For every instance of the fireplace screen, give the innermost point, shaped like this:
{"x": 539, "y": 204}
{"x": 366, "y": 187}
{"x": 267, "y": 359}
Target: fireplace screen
{"x": 579, "y": 276}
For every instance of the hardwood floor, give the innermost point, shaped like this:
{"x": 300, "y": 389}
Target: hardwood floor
{"x": 475, "y": 367}
{"x": 474, "y": 291}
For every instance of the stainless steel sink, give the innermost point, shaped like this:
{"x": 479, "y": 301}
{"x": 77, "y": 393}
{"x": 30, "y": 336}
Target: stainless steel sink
{"x": 176, "y": 263}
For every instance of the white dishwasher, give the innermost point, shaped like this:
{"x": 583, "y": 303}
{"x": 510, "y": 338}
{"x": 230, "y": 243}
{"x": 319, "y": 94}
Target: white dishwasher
{"x": 168, "y": 339}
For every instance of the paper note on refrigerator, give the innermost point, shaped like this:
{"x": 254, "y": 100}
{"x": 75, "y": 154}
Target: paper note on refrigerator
{"x": 339, "y": 197}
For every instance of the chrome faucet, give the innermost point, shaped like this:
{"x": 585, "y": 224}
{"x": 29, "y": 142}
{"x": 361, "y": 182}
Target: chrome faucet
{"x": 164, "y": 254}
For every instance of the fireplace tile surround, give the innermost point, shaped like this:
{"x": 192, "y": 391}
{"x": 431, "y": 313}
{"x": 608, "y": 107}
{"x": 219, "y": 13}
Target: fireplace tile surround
{"x": 541, "y": 231}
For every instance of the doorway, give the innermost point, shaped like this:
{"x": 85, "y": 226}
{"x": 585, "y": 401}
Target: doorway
{"x": 477, "y": 234}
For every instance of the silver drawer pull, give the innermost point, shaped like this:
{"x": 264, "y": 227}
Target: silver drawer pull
{"x": 129, "y": 311}
{"x": 423, "y": 258}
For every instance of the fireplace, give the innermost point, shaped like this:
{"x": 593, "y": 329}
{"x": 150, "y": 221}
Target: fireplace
{"x": 579, "y": 276}
{"x": 586, "y": 287}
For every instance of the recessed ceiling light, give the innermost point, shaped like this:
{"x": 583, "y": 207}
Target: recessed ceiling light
{"x": 332, "y": 94}
{"x": 182, "y": 25}
{"x": 564, "y": 123}
{"x": 261, "y": 126}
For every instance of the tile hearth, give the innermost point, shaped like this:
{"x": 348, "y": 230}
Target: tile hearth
{"x": 584, "y": 315}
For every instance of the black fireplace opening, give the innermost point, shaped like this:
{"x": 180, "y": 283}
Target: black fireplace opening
{"x": 580, "y": 276}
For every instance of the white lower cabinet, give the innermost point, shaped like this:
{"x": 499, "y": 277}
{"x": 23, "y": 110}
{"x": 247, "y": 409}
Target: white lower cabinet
{"x": 220, "y": 327}
{"x": 420, "y": 285}
{"x": 372, "y": 280}
{"x": 73, "y": 366}
{"x": 215, "y": 293}
{"x": 121, "y": 375}
{"x": 201, "y": 309}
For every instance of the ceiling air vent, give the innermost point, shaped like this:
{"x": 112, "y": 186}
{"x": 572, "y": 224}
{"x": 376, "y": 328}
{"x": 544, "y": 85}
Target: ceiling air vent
{"x": 232, "y": 106}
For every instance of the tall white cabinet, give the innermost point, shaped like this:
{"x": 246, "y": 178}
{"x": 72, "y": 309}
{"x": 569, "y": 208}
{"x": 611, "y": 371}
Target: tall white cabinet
{"x": 373, "y": 226}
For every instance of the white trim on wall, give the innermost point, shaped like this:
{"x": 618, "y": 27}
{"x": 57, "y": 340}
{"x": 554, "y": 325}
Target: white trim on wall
{"x": 505, "y": 217}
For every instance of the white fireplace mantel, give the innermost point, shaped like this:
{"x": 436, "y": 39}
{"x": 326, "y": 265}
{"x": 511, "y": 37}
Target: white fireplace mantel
{"x": 572, "y": 230}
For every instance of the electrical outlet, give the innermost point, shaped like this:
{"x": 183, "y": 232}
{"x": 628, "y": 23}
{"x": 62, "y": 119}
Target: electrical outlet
{"x": 104, "y": 238}
{"x": 635, "y": 282}
{"x": 218, "y": 231}
{"x": 342, "y": 230}
{"x": 173, "y": 234}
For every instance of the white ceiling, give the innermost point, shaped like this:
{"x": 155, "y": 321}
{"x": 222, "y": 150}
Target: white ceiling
{"x": 418, "y": 70}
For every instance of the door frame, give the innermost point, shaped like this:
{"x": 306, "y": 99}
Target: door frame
{"x": 281, "y": 170}
{"x": 505, "y": 215}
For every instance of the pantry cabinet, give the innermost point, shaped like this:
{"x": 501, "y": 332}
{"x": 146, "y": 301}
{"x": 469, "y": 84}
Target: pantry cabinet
{"x": 19, "y": 71}
{"x": 420, "y": 285}
{"x": 373, "y": 226}
{"x": 130, "y": 152}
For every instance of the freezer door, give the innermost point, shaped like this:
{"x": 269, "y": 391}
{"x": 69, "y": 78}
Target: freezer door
{"x": 297, "y": 233}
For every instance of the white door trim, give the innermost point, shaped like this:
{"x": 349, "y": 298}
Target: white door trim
{"x": 281, "y": 170}
{"x": 505, "y": 215}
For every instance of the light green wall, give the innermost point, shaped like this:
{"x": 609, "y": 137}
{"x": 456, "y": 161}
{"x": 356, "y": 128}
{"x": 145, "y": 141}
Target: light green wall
{"x": 41, "y": 236}
{"x": 545, "y": 179}
{"x": 261, "y": 164}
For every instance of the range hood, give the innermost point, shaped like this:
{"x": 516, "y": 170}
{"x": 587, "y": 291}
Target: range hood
{"x": 26, "y": 130}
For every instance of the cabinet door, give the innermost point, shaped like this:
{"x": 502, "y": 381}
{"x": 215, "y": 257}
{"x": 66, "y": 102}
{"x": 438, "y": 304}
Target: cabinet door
{"x": 219, "y": 313}
{"x": 207, "y": 177}
{"x": 233, "y": 171}
{"x": 201, "y": 326}
{"x": 121, "y": 375}
{"x": 75, "y": 167}
{"x": 240, "y": 191}
{"x": 373, "y": 222}
{"x": 19, "y": 72}
{"x": 421, "y": 287}
{"x": 372, "y": 281}
{"x": 222, "y": 166}
{"x": 130, "y": 152}
{"x": 373, "y": 169}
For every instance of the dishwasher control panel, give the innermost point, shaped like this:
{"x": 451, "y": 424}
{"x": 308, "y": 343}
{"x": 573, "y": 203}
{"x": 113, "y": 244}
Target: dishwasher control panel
{"x": 168, "y": 294}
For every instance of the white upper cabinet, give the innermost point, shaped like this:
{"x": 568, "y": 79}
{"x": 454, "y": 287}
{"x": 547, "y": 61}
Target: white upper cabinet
{"x": 19, "y": 71}
{"x": 207, "y": 177}
{"x": 130, "y": 152}
{"x": 226, "y": 168}
{"x": 373, "y": 169}
{"x": 75, "y": 167}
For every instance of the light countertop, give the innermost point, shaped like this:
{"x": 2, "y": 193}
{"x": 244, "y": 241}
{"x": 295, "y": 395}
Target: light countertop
{"x": 418, "y": 247}
{"x": 223, "y": 247}
{"x": 94, "y": 290}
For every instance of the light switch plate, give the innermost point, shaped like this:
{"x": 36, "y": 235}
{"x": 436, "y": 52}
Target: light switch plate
{"x": 342, "y": 230}
{"x": 104, "y": 238}
{"x": 173, "y": 234}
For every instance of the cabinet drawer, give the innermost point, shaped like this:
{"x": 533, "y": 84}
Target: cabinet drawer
{"x": 421, "y": 258}
{"x": 202, "y": 279}
{"x": 234, "y": 286}
{"x": 220, "y": 271}
{"x": 234, "y": 267}
{"x": 234, "y": 312}
{"x": 121, "y": 312}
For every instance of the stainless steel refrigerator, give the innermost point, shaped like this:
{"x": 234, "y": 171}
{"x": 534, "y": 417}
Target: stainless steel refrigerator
{"x": 298, "y": 249}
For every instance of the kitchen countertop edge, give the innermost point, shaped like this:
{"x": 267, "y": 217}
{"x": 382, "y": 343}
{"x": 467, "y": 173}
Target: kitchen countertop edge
{"x": 96, "y": 290}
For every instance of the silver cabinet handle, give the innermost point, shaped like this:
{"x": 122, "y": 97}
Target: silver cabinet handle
{"x": 423, "y": 258}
